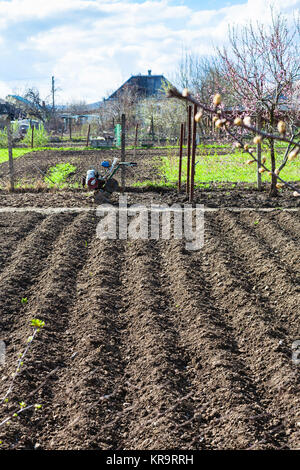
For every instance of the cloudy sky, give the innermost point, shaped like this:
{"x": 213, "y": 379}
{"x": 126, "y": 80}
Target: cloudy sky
{"x": 93, "y": 46}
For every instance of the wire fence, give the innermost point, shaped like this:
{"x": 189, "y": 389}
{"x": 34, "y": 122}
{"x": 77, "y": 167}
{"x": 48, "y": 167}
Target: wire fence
{"x": 217, "y": 160}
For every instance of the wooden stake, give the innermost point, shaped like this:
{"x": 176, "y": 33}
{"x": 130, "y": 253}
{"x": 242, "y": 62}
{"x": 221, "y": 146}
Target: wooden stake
{"x": 32, "y": 135}
{"x": 152, "y": 128}
{"x": 88, "y": 136}
{"x": 10, "y": 156}
{"x": 188, "y": 149}
{"x": 136, "y": 139}
{"x": 180, "y": 156}
{"x": 70, "y": 128}
{"x": 136, "y": 134}
{"x": 194, "y": 145}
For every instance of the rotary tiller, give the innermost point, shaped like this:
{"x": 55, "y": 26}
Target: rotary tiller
{"x": 104, "y": 184}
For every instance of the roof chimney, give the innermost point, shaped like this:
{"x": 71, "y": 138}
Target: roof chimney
{"x": 149, "y": 73}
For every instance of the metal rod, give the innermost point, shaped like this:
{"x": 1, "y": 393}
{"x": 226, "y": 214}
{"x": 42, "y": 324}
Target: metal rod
{"x": 188, "y": 150}
{"x": 123, "y": 122}
{"x": 258, "y": 125}
{"x": 193, "y": 155}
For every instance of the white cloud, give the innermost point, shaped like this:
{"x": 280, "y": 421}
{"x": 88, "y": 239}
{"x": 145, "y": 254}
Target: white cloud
{"x": 21, "y": 10}
{"x": 91, "y": 46}
{"x": 4, "y": 89}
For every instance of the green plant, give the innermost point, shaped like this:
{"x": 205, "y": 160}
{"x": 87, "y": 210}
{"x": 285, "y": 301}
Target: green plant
{"x": 3, "y": 138}
{"x": 58, "y": 174}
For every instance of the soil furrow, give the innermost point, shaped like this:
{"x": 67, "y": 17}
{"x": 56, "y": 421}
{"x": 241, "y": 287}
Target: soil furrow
{"x": 147, "y": 345}
{"x": 159, "y": 403}
{"x": 89, "y": 392}
{"x": 289, "y": 223}
{"x": 225, "y": 398}
{"x": 50, "y": 299}
{"x": 284, "y": 249}
{"x": 12, "y": 235}
{"x": 260, "y": 331}
{"x": 265, "y": 271}
{"x": 27, "y": 262}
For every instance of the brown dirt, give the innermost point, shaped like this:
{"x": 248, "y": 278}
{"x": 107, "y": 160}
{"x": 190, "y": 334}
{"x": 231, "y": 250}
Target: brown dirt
{"x": 214, "y": 197}
{"x": 26, "y": 171}
{"x": 151, "y": 346}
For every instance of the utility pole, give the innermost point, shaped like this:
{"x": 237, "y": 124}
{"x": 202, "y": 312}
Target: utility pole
{"x": 53, "y": 103}
{"x": 53, "y": 91}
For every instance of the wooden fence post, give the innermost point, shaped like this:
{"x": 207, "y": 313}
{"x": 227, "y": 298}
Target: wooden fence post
{"x": 70, "y": 128}
{"x": 32, "y": 135}
{"x": 88, "y": 136}
{"x": 188, "y": 149}
{"x": 136, "y": 138}
{"x": 194, "y": 145}
{"x": 152, "y": 128}
{"x": 10, "y": 156}
{"x": 123, "y": 122}
{"x": 180, "y": 156}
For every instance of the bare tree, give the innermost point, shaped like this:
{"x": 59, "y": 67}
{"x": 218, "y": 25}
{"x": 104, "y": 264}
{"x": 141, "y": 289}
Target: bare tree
{"x": 262, "y": 68}
{"x": 35, "y": 106}
{"x": 163, "y": 115}
{"x": 76, "y": 107}
{"x": 201, "y": 75}
{"x": 122, "y": 102}
{"x": 228, "y": 121}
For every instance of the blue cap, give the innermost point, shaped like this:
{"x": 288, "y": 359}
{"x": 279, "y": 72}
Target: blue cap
{"x": 105, "y": 164}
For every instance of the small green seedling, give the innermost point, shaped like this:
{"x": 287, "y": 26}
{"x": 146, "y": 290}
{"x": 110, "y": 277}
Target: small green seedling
{"x": 36, "y": 323}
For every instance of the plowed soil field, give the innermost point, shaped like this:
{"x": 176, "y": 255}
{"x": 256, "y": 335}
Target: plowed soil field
{"x": 147, "y": 345}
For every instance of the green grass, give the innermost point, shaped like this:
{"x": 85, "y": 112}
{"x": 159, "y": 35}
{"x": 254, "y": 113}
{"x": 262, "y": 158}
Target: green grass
{"x": 223, "y": 168}
{"x": 16, "y": 153}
